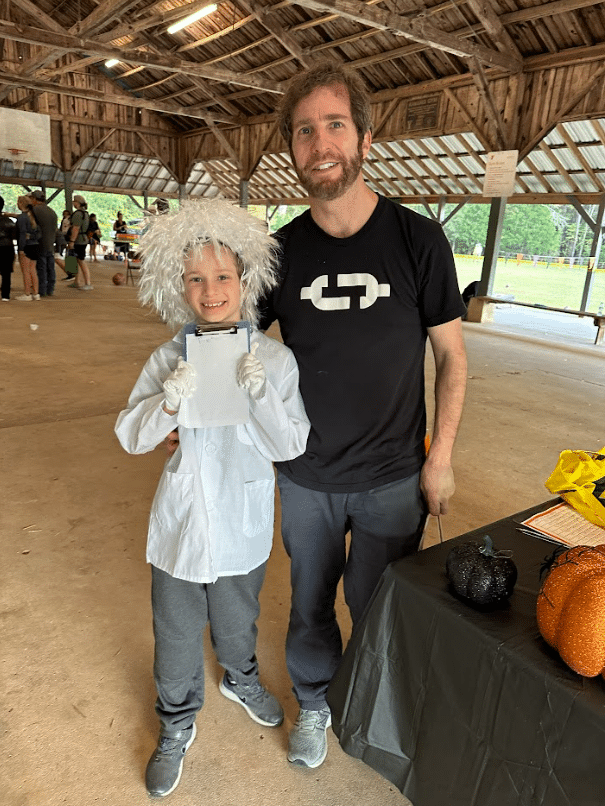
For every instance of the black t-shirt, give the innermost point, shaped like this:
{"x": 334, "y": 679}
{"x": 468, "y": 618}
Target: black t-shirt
{"x": 355, "y": 312}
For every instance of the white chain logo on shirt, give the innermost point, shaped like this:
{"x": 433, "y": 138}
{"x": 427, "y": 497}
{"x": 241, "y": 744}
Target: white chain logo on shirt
{"x": 373, "y": 290}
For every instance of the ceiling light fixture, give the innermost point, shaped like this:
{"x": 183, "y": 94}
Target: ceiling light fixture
{"x": 192, "y": 18}
{"x": 111, "y": 62}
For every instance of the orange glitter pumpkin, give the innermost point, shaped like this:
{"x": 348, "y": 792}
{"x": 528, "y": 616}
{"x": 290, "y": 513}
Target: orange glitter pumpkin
{"x": 571, "y": 609}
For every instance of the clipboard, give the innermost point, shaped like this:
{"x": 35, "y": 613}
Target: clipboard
{"x": 215, "y": 351}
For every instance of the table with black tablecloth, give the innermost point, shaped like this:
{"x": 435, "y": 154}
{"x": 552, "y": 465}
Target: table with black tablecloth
{"x": 461, "y": 707}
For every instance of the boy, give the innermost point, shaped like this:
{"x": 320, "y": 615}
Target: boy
{"x": 211, "y": 522}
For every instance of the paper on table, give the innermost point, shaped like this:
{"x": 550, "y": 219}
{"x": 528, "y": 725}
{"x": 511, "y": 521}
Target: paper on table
{"x": 217, "y": 400}
{"x": 564, "y": 524}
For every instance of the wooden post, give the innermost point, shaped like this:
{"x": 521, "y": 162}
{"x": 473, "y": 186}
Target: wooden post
{"x": 479, "y": 310}
{"x": 595, "y": 250}
{"x": 492, "y": 246}
{"x": 243, "y": 193}
{"x": 67, "y": 179}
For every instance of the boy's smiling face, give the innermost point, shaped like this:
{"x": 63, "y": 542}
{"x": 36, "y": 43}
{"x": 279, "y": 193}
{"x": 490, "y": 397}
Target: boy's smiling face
{"x": 212, "y": 285}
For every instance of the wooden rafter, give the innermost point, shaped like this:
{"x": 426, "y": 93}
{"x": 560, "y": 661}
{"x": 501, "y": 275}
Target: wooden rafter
{"x": 491, "y": 110}
{"x": 421, "y": 32}
{"x": 100, "y": 95}
{"x": 63, "y": 43}
{"x": 471, "y": 121}
{"x": 225, "y": 143}
{"x": 277, "y": 29}
{"x": 538, "y": 174}
{"x": 485, "y": 13}
{"x": 558, "y": 165}
{"x": 436, "y": 179}
{"x": 580, "y": 157}
{"x": 564, "y": 110}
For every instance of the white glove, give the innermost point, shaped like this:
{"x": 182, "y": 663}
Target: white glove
{"x": 180, "y": 384}
{"x": 251, "y": 373}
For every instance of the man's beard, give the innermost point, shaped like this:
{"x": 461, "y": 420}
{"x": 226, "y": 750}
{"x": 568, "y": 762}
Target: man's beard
{"x": 326, "y": 190}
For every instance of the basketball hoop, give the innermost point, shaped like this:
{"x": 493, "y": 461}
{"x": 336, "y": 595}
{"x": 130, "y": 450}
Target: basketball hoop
{"x": 16, "y": 158}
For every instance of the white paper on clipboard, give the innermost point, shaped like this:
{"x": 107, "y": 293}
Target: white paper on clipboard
{"x": 217, "y": 400}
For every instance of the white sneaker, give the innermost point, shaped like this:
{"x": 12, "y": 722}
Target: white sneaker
{"x": 5, "y": 299}
{"x": 25, "y": 297}
{"x": 35, "y": 296}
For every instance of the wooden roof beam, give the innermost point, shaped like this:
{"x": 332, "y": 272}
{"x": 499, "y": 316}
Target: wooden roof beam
{"x": 67, "y": 42}
{"x": 419, "y": 159}
{"x": 580, "y": 157}
{"x": 560, "y": 114}
{"x": 558, "y": 165}
{"x": 484, "y": 11}
{"x": 538, "y": 174}
{"x": 418, "y": 31}
{"x": 277, "y": 29}
{"x": 100, "y": 95}
{"x": 491, "y": 110}
{"x": 224, "y": 142}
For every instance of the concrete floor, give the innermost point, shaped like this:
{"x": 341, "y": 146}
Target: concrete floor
{"x": 77, "y": 721}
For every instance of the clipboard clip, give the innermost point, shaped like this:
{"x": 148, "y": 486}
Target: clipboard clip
{"x": 202, "y": 330}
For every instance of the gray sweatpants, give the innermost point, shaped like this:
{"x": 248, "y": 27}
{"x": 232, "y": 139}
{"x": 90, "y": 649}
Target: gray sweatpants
{"x": 181, "y": 611}
{"x": 386, "y": 523}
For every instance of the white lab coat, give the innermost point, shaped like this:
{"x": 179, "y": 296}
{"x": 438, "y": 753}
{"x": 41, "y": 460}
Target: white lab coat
{"x": 212, "y": 514}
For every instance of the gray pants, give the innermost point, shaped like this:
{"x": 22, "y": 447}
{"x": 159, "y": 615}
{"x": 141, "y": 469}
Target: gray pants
{"x": 181, "y": 611}
{"x": 386, "y": 523}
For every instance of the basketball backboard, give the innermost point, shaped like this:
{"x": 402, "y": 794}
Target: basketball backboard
{"x": 24, "y": 137}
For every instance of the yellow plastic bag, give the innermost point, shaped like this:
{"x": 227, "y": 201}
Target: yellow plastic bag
{"x": 579, "y": 478}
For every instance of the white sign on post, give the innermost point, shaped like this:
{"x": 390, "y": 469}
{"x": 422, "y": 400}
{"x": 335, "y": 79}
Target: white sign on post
{"x": 500, "y": 173}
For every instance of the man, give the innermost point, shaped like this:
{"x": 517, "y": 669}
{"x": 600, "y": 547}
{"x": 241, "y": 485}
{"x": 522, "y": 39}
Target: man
{"x": 45, "y": 264}
{"x": 363, "y": 282}
{"x": 8, "y": 235}
{"x": 78, "y": 241}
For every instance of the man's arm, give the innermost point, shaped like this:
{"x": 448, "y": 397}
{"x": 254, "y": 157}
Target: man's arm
{"x": 73, "y": 233}
{"x": 437, "y": 478}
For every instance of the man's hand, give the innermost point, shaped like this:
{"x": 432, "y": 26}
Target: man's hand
{"x": 251, "y": 373}
{"x": 171, "y": 442}
{"x": 179, "y": 384}
{"x": 437, "y": 486}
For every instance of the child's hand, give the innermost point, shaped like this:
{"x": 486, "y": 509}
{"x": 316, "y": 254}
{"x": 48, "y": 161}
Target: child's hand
{"x": 251, "y": 373}
{"x": 180, "y": 384}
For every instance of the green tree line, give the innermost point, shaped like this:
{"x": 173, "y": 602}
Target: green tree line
{"x": 531, "y": 229}
{"x": 104, "y": 205}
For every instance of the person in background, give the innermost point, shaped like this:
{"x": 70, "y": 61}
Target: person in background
{"x": 63, "y": 232}
{"x": 363, "y": 284}
{"x": 47, "y": 221}
{"x": 8, "y": 235}
{"x": 94, "y": 236}
{"x": 28, "y": 246}
{"x": 211, "y": 524}
{"x": 61, "y": 245}
{"x": 78, "y": 243}
{"x": 120, "y": 228}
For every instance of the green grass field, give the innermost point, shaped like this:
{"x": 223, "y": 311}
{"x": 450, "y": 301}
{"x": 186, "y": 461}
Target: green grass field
{"x": 556, "y": 286}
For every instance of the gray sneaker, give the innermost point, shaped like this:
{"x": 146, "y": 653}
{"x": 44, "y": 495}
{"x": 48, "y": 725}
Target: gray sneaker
{"x": 308, "y": 743}
{"x": 261, "y": 706}
{"x": 165, "y": 766}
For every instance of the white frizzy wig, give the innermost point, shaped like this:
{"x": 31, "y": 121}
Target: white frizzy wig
{"x": 168, "y": 239}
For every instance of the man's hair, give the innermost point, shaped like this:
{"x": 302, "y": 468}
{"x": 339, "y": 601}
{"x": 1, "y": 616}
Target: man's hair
{"x": 325, "y": 73}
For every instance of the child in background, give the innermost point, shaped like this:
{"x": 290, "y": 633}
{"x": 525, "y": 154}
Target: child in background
{"x": 211, "y": 523}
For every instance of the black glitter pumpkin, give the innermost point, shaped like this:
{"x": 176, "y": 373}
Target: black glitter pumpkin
{"x": 480, "y": 574}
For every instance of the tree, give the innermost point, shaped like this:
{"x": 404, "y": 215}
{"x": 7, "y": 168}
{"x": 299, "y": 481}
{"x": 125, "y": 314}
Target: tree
{"x": 284, "y": 214}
